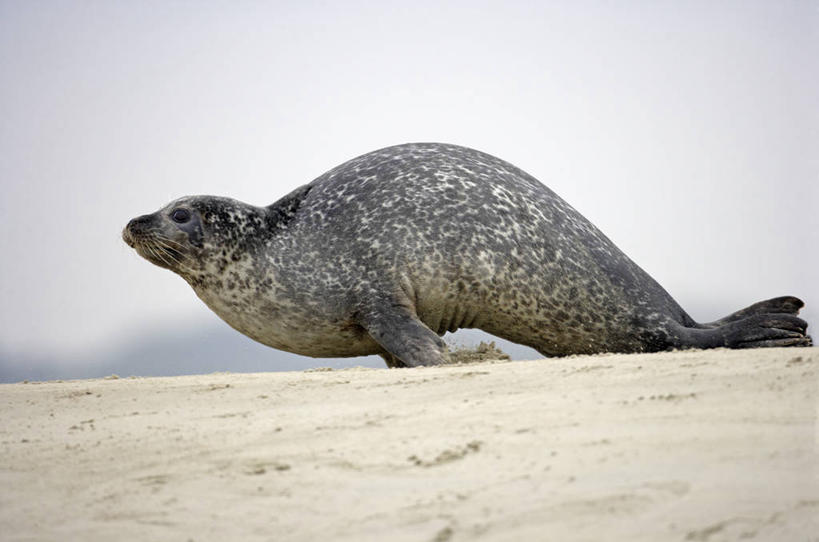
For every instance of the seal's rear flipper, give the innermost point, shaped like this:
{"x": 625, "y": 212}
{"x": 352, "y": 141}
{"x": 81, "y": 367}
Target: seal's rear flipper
{"x": 758, "y": 330}
{"x": 408, "y": 342}
{"x": 778, "y": 305}
{"x": 793, "y": 341}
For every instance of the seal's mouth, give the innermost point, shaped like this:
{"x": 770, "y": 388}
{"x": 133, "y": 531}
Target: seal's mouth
{"x": 159, "y": 251}
{"x": 155, "y": 247}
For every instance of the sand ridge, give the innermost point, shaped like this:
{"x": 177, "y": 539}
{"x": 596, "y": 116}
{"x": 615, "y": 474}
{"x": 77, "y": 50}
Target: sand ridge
{"x": 697, "y": 445}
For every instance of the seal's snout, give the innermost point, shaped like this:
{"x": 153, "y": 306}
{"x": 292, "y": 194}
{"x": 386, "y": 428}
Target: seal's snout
{"x": 135, "y": 228}
{"x": 126, "y": 236}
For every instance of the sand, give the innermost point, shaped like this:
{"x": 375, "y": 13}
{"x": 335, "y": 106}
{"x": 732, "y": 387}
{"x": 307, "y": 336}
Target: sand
{"x": 703, "y": 446}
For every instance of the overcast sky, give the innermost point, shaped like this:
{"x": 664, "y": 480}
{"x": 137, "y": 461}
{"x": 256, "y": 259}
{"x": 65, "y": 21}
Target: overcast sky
{"x": 687, "y": 131}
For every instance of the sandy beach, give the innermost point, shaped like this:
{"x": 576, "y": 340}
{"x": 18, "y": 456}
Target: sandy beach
{"x": 699, "y": 445}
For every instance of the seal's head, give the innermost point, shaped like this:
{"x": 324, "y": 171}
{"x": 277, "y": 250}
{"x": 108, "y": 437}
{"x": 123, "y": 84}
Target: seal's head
{"x": 195, "y": 234}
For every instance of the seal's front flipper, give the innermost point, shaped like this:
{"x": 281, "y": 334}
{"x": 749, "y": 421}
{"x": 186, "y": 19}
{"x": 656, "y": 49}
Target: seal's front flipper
{"x": 408, "y": 342}
{"x": 778, "y": 305}
{"x": 392, "y": 361}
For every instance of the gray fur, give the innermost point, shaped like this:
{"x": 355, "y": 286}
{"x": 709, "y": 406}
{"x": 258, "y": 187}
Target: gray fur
{"x": 392, "y": 249}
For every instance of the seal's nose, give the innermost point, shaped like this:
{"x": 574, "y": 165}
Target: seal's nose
{"x": 135, "y": 227}
{"x": 126, "y": 236}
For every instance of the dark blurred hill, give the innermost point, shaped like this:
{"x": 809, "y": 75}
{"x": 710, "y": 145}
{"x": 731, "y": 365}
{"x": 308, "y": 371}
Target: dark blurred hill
{"x": 210, "y": 348}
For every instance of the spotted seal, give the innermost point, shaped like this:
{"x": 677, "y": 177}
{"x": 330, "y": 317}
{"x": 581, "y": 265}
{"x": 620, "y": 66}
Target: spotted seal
{"x": 388, "y": 251}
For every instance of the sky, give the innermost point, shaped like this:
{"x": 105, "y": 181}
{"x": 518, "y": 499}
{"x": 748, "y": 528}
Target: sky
{"x": 686, "y": 131}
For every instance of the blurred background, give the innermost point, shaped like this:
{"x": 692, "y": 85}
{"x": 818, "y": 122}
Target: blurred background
{"x": 686, "y": 131}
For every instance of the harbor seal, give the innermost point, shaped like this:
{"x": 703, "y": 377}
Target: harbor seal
{"x": 389, "y": 251}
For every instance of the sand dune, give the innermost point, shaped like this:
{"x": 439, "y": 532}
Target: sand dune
{"x": 703, "y": 446}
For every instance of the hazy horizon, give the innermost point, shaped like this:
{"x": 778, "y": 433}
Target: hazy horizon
{"x": 686, "y": 132}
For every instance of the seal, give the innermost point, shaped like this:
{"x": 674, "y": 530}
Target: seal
{"x": 389, "y": 251}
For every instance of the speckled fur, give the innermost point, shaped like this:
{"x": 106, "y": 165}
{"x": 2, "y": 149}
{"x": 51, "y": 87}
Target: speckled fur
{"x": 375, "y": 253}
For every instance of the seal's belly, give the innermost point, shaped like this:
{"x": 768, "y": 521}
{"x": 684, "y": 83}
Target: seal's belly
{"x": 315, "y": 341}
{"x": 292, "y": 327}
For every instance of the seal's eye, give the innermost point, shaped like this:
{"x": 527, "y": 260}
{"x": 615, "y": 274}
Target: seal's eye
{"x": 180, "y": 215}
